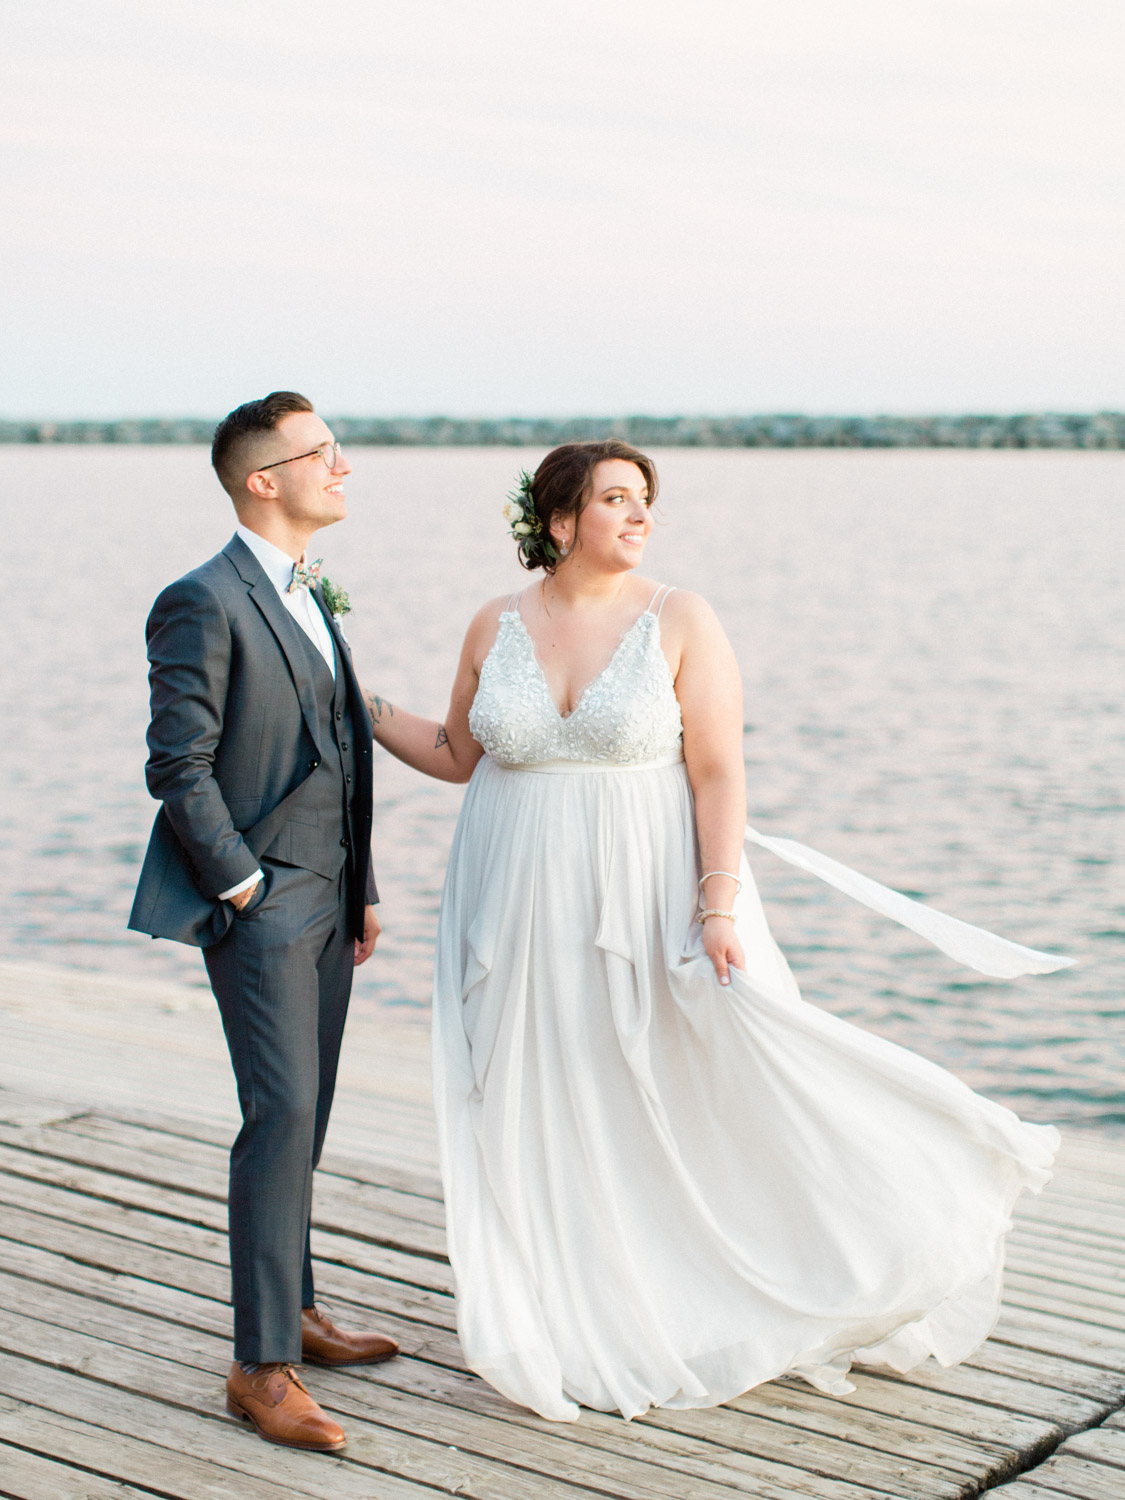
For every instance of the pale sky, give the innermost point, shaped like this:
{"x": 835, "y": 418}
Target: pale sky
{"x": 496, "y": 207}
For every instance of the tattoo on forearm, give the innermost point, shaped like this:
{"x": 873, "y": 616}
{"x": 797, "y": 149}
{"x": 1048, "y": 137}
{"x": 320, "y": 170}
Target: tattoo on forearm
{"x": 377, "y": 707}
{"x": 442, "y": 737}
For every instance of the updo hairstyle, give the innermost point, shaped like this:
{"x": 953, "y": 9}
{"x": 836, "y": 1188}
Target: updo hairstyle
{"x": 562, "y": 486}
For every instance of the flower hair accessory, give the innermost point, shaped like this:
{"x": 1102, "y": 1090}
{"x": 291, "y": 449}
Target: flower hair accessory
{"x": 523, "y": 519}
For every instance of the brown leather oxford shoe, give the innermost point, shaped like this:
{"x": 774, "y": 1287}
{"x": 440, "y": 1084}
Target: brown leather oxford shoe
{"x": 277, "y": 1404}
{"x": 322, "y": 1343}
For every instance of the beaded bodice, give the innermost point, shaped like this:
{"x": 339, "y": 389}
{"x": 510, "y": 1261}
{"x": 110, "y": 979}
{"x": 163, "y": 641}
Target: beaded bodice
{"x": 627, "y": 715}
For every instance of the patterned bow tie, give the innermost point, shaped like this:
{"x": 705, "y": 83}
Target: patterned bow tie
{"x": 304, "y": 575}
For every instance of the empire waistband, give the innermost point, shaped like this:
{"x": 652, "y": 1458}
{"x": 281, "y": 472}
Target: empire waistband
{"x": 597, "y": 767}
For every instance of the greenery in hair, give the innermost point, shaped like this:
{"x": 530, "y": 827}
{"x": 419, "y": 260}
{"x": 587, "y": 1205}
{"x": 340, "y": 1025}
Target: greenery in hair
{"x": 524, "y": 523}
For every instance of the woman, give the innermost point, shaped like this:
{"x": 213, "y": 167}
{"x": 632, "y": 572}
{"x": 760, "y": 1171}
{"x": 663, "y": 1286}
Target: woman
{"x": 667, "y": 1177}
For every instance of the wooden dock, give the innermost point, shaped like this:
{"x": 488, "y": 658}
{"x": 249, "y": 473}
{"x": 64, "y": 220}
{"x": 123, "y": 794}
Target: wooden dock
{"x": 116, "y": 1109}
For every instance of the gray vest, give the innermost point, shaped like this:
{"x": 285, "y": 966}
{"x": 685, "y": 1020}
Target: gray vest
{"x": 317, "y": 835}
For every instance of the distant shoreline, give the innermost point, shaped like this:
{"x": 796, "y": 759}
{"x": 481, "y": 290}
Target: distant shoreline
{"x": 1086, "y": 430}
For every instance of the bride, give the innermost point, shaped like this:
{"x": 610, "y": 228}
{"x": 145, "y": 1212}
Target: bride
{"x": 668, "y": 1178}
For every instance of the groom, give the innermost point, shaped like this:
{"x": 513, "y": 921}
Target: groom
{"x": 260, "y": 752}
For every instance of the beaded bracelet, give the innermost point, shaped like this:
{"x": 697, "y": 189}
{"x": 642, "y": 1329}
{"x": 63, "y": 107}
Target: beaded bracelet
{"x": 713, "y": 911}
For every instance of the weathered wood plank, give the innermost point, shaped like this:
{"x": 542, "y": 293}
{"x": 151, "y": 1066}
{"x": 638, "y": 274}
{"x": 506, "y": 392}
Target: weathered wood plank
{"x": 1055, "y": 1333}
{"x": 548, "y": 1452}
{"x": 110, "y": 1374}
{"x": 199, "y": 1475}
{"x": 612, "y": 1452}
{"x": 132, "y": 1251}
{"x": 115, "y": 1226}
{"x": 411, "y": 1417}
{"x": 440, "y": 1421}
{"x": 1067, "y": 1272}
{"x": 989, "y": 1389}
{"x": 1104, "y": 1445}
{"x": 154, "y": 1319}
{"x": 1088, "y": 1187}
{"x": 1041, "y": 1294}
{"x": 1075, "y": 1213}
{"x": 375, "y": 1166}
{"x": 1079, "y": 1249}
{"x": 543, "y": 1452}
{"x": 30, "y": 1276}
{"x": 900, "y": 1418}
{"x": 219, "y": 1246}
{"x": 142, "y": 1332}
{"x": 1063, "y": 1475}
{"x": 832, "y": 1457}
{"x": 198, "y": 1194}
{"x": 1029, "y": 1489}
{"x": 28, "y": 1476}
{"x": 409, "y": 1204}
{"x": 105, "y": 1193}
{"x": 29, "y": 1109}
{"x": 450, "y": 1355}
{"x": 1096, "y": 1382}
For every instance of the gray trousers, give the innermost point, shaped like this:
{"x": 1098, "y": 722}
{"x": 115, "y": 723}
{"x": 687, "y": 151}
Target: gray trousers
{"x": 282, "y": 975}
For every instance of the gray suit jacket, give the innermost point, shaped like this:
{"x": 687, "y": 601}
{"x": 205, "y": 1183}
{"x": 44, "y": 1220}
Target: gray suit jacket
{"x": 232, "y": 739}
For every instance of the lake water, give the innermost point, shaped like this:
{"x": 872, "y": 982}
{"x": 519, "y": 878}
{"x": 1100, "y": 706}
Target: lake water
{"x": 932, "y": 646}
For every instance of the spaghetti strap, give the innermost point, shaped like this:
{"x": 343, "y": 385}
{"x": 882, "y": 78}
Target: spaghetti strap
{"x": 667, "y": 588}
{"x": 513, "y": 601}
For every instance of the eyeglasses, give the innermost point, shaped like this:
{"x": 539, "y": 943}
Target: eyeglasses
{"x": 329, "y": 452}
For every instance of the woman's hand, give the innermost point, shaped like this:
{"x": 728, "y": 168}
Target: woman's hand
{"x": 722, "y": 947}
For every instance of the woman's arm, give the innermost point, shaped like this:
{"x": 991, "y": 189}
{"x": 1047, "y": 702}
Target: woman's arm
{"x": 447, "y": 751}
{"x": 709, "y": 688}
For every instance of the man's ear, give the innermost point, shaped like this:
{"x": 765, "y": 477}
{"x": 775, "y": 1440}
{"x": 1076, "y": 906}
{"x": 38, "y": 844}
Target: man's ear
{"x": 261, "y": 485}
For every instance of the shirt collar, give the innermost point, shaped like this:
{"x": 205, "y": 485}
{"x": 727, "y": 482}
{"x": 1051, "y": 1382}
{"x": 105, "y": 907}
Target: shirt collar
{"x": 277, "y": 565}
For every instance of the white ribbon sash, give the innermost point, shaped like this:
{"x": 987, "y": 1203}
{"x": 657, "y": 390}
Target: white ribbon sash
{"x": 969, "y": 945}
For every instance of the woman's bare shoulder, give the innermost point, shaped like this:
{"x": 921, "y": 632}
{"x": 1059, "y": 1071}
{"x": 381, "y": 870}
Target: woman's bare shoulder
{"x": 686, "y": 611}
{"x": 489, "y": 613}
{"x": 483, "y": 627}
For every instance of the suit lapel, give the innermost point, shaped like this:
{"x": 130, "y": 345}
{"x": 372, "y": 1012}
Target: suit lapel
{"x": 284, "y": 627}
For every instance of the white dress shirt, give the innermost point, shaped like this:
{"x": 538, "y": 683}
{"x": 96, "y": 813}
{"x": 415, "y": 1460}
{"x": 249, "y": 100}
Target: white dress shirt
{"x": 278, "y": 568}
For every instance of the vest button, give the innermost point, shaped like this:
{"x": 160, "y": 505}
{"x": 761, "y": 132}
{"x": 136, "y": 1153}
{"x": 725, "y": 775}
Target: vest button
{"x": 313, "y": 764}
{"x": 339, "y": 715}
{"x": 343, "y": 843}
{"x": 343, "y": 745}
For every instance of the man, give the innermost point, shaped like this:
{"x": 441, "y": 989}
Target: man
{"x": 260, "y": 752}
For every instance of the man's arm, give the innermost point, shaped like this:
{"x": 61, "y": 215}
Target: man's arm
{"x": 189, "y": 651}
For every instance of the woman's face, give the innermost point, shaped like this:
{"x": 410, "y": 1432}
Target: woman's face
{"x": 614, "y": 524}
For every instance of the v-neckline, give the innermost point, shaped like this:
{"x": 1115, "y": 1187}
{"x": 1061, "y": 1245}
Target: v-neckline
{"x": 597, "y": 677}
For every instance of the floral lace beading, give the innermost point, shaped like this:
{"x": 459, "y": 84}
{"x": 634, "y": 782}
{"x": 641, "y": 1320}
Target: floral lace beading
{"x": 627, "y": 715}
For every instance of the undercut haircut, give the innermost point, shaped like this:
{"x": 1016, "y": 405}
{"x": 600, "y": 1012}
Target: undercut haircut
{"x": 237, "y": 433}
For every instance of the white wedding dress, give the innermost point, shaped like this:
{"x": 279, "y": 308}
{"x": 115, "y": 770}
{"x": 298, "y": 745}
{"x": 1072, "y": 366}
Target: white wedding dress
{"x": 661, "y": 1191}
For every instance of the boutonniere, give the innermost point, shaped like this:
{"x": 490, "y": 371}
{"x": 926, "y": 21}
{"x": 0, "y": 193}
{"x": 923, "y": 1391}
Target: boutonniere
{"x": 336, "y": 599}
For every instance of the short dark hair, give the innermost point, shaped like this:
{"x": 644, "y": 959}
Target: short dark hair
{"x": 562, "y": 486}
{"x": 245, "y": 423}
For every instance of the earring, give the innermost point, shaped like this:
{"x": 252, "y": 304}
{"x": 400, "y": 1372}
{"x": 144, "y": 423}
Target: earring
{"x": 563, "y": 549}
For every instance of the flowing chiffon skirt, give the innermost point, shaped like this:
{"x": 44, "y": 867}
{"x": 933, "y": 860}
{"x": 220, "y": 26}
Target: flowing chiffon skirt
{"x": 661, "y": 1191}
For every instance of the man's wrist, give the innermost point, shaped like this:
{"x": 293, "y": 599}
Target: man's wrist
{"x": 243, "y": 885}
{"x": 244, "y": 897}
